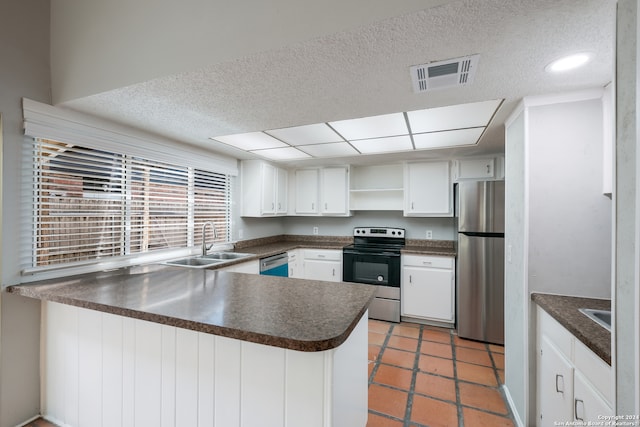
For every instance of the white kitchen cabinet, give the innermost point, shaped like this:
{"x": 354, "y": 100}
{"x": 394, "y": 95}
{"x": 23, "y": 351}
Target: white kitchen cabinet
{"x": 377, "y": 188}
{"x": 264, "y": 189}
{"x": 573, "y": 383}
{"x": 474, "y": 169}
{"x": 322, "y": 191}
{"x": 307, "y": 190}
{"x": 428, "y": 189}
{"x": 294, "y": 261}
{"x": 555, "y": 384}
{"x": 322, "y": 264}
{"x": 428, "y": 288}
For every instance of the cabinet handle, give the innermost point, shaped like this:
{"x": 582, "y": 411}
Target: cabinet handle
{"x": 321, "y": 256}
{"x": 410, "y": 279}
{"x": 273, "y": 206}
{"x": 411, "y": 205}
{"x": 558, "y": 376}
{"x": 279, "y": 205}
{"x": 325, "y": 207}
{"x": 575, "y": 409}
{"x": 489, "y": 169}
{"x": 427, "y": 262}
{"x": 313, "y": 206}
{"x": 333, "y": 272}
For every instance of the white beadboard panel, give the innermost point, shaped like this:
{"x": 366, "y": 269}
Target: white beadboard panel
{"x": 227, "y": 381}
{"x": 128, "y": 371}
{"x": 70, "y": 357}
{"x": 305, "y": 376}
{"x": 168, "y": 398}
{"x": 186, "y": 378}
{"x": 53, "y": 375}
{"x": 106, "y": 370}
{"x": 262, "y": 385}
{"x": 350, "y": 399}
{"x": 89, "y": 368}
{"x": 148, "y": 374}
{"x": 206, "y": 380}
{"x": 112, "y": 368}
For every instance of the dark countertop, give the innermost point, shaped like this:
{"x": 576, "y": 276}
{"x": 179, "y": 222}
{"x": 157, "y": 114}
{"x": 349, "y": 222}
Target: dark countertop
{"x": 565, "y": 310}
{"x": 296, "y": 314}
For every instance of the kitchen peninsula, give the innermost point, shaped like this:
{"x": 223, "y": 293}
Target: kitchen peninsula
{"x": 166, "y": 346}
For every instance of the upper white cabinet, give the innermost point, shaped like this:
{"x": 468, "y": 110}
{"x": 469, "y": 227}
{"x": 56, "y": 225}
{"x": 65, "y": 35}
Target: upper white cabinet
{"x": 377, "y": 188}
{"x": 322, "y": 191}
{"x": 264, "y": 189}
{"x": 478, "y": 169}
{"x": 428, "y": 190}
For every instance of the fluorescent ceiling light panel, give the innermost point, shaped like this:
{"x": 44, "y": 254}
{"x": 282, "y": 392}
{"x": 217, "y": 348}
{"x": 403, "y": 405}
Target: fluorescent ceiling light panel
{"x": 334, "y": 149}
{"x": 383, "y": 145}
{"x": 286, "y": 153}
{"x": 372, "y": 127}
{"x": 304, "y": 135}
{"x": 445, "y": 139}
{"x": 453, "y": 117}
{"x": 251, "y": 141}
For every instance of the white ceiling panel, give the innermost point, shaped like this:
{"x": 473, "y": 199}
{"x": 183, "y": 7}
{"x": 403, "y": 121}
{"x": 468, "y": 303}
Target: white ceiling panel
{"x": 451, "y": 138}
{"x": 251, "y": 141}
{"x": 453, "y": 116}
{"x": 286, "y": 153}
{"x": 318, "y": 133}
{"x": 372, "y": 127}
{"x": 334, "y": 149}
{"x": 383, "y": 145}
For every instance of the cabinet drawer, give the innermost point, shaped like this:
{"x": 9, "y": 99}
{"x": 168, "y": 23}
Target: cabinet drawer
{"x": 559, "y": 336}
{"x": 428, "y": 261}
{"x": 323, "y": 254}
{"x": 597, "y": 370}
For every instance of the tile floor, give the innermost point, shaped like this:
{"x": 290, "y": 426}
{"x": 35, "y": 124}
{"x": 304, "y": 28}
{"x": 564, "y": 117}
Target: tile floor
{"x": 426, "y": 376}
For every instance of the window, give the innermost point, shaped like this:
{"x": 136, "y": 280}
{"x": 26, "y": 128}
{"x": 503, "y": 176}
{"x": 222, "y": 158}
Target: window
{"x": 90, "y": 204}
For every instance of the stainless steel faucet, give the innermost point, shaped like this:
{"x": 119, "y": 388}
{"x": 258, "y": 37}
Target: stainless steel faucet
{"x": 206, "y": 247}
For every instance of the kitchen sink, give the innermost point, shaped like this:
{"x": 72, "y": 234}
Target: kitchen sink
{"x": 601, "y": 317}
{"x": 205, "y": 261}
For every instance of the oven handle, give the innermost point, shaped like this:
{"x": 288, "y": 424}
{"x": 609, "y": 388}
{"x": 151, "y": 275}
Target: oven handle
{"x": 375, "y": 253}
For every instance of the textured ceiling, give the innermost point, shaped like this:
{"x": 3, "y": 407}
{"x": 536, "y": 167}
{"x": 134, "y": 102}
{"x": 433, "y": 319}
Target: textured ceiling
{"x": 365, "y": 72}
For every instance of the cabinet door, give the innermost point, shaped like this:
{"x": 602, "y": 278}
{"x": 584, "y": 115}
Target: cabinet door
{"x": 307, "y": 191}
{"x": 475, "y": 169}
{"x": 555, "y": 385}
{"x": 334, "y": 191}
{"x": 330, "y": 271}
{"x": 428, "y": 189}
{"x": 282, "y": 183}
{"x": 268, "y": 196}
{"x": 587, "y": 404}
{"x": 428, "y": 293}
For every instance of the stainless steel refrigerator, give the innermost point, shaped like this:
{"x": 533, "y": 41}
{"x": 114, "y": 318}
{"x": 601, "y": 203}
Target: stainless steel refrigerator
{"x": 480, "y": 263}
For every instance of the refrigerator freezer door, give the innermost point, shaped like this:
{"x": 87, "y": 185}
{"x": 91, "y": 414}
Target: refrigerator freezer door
{"x": 480, "y": 207}
{"x": 480, "y": 288}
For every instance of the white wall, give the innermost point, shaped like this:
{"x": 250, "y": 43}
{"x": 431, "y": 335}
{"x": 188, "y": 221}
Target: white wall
{"x": 99, "y": 46}
{"x": 24, "y": 48}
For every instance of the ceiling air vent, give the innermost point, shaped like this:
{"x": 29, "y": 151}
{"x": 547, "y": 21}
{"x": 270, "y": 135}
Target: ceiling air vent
{"x": 444, "y": 74}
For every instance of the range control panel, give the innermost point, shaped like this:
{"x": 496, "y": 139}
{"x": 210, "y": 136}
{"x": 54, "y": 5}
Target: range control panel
{"x": 379, "y": 232}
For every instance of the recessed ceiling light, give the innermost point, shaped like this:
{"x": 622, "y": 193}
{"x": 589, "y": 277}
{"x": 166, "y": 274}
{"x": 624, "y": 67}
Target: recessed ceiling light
{"x": 567, "y": 63}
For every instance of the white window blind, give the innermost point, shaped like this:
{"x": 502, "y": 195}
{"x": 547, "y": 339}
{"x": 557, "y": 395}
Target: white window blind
{"x": 90, "y": 205}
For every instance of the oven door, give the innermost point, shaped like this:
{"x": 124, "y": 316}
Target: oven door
{"x": 380, "y": 268}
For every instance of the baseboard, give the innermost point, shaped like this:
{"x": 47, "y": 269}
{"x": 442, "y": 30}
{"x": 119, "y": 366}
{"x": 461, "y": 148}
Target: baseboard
{"x": 516, "y": 416}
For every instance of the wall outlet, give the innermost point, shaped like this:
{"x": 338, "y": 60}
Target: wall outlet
{"x": 429, "y": 234}
{"x": 315, "y": 231}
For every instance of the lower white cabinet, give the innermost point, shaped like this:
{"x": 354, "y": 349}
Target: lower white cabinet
{"x": 294, "y": 261}
{"x": 428, "y": 288}
{"x": 322, "y": 264}
{"x": 573, "y": 383}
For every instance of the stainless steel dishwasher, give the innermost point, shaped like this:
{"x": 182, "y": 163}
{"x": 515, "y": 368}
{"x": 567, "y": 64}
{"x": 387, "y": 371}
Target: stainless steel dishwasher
{"x": 276, "y": 265}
